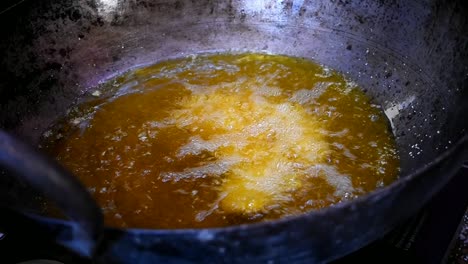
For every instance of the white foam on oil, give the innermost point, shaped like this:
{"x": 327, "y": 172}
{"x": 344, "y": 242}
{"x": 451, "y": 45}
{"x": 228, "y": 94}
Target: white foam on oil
{"x": 259, "y": 148}
{"x": 212, "y": 168}
{"x": 265, "y": 90}
{"x": 202, "y": 215}
{"x": 341, "y": 182}
{"x": 196, "y": 146}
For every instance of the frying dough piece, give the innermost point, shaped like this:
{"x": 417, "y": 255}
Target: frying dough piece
{"x": 265, "y": 144}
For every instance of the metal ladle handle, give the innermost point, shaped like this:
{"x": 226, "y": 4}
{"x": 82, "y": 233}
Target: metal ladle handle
{"x": 56, "y": 184}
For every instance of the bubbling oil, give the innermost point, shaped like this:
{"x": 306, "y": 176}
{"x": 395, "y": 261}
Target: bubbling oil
{"x": 224, "y": 139}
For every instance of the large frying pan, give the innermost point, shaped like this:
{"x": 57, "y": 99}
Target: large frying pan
{"x": 411, "y": 58}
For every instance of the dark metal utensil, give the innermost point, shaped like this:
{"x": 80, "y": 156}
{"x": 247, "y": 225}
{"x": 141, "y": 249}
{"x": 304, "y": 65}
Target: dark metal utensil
{"x": 58, "y": 185}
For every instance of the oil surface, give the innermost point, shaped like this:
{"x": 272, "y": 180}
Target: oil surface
{"x": 219, "y": 140}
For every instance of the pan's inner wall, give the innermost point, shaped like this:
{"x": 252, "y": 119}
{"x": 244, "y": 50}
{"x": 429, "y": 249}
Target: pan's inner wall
{"x": 409, "y": 58}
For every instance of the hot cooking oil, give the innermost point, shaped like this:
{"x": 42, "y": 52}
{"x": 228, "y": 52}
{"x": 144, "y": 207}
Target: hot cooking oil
{"x": 224, "y": 139}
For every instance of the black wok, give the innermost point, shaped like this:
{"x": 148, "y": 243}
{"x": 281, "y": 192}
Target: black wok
{"x": 410, "y": 57}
